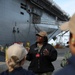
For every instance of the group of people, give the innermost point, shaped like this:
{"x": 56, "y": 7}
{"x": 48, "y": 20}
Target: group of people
{"x": 41, "y": 54}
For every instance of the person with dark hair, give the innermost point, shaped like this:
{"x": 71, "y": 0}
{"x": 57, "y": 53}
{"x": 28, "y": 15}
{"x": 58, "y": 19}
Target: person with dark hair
{"x": 69, "y": 69}
{"x": 16, "y": 56}
{"x": 41, "y": 55}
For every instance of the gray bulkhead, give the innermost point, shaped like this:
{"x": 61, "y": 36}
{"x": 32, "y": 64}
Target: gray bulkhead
{"x": 17, "y": 25}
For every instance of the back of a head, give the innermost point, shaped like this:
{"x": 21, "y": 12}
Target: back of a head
{"x": 15, "y": 53}
{"x": 16, "y": 50}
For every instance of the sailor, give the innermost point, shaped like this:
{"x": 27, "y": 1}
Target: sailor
{"x": 41, "y": 55}
{"x": 70, "y": 68}
{"x": 16, "y": 56}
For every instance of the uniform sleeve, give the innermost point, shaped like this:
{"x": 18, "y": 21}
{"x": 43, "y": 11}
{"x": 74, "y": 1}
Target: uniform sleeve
{"x": 29, "y": 55}
{"x": 52, "y": 54}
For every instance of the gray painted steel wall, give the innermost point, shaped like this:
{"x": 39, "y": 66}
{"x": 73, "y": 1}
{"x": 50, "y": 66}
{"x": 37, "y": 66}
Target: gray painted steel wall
{"x": 10, "y": 17}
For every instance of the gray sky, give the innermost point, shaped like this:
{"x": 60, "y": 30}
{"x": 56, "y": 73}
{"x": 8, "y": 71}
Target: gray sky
{"x": 67, "y": 5}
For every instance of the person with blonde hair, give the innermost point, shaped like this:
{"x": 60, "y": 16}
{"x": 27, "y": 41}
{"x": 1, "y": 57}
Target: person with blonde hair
{"x": 16, "y": 56}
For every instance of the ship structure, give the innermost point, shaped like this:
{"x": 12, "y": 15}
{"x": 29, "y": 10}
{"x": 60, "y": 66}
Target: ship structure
{"x": 20, "y": 20}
